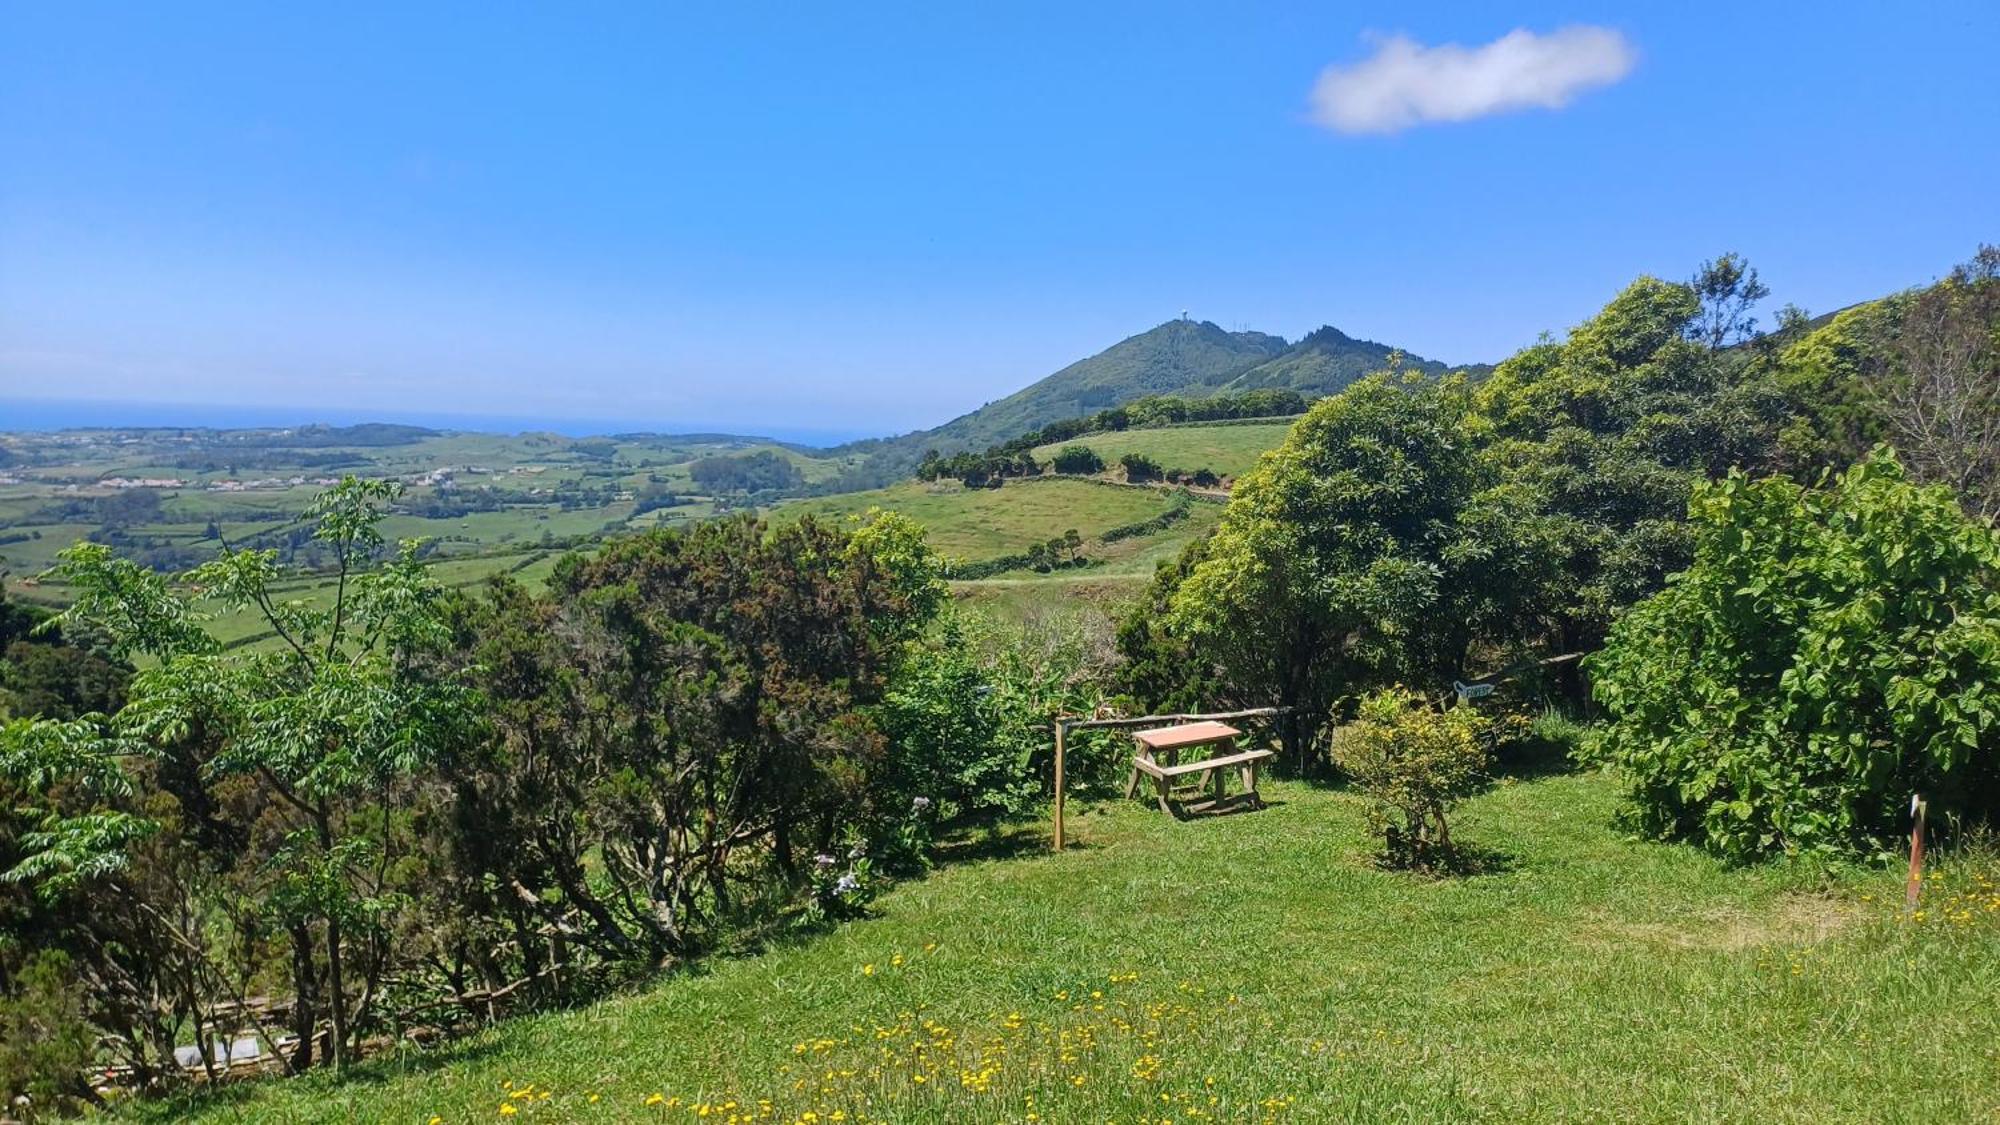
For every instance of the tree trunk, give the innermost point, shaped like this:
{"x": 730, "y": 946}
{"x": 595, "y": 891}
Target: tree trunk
{"x": 304, "y": 1017}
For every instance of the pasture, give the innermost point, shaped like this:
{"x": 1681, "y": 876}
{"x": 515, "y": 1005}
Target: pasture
{"x": 1259, "y": 967}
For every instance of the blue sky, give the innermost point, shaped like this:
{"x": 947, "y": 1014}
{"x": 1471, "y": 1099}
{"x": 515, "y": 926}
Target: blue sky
{"x": 862, "y": 218}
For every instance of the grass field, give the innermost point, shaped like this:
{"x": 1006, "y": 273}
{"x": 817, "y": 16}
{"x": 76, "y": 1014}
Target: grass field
{"x": 1259, "y": 968}
{"x": 982, "y": 523}
{"x": 1228, "y": 450}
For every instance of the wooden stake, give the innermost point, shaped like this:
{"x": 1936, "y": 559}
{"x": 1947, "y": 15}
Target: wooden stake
{"x": 1061, "y": 729}
{"x": 1914, "y": 885}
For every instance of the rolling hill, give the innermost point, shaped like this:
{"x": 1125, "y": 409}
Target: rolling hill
{"x": 1178, "y": 357}
{"x": 1323, "y": 363}
{"x": 1195, "y": 358}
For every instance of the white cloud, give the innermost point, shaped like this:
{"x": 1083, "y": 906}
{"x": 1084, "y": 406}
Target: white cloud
{"x": 1406, "y": 83}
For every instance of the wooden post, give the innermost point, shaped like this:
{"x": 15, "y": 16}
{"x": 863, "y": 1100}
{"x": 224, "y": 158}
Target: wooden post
{"x": 1061, "y": 729}
{"x": 1914, "y": 885}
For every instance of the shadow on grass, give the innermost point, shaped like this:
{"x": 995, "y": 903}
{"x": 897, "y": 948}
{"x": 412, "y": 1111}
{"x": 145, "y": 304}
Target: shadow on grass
{"x": 375, "y": 1070}
{"x": 1462, "y": 861}
{"x": 1009, "y": 840}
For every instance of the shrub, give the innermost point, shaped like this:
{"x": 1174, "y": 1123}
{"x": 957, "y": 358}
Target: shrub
{"x": 1415, "y": 763}
{"x": 45, "y": 1042}
{"x": 1077, "y": 460}
{"x": 1828, "y": 654}
{"x": 967, "y": 717}
{"x": 1140, "y": 468}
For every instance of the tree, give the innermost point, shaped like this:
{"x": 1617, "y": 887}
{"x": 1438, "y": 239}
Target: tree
{"x": 1605, "y": 434}
{"x": 323, "y": 729}
{"x": 1140, "y": 468}
{"x": 682, "y": 717}
{"x": 1827, "y": 654}
{"x": 1341, "y": 560}
{"x": 1727, "y": 288}
{"x": 1938, "y": 383}
{"x": 1077, "y": 460}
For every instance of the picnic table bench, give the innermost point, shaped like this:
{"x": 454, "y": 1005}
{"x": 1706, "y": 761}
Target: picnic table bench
{"x": 1158, "y": 756}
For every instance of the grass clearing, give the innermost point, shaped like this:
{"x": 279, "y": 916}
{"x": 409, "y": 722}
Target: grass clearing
{"x": 1258, "y": 967}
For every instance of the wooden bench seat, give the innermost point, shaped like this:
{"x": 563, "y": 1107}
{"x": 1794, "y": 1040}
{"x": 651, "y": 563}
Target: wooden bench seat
{"x": 1147, "y": 765}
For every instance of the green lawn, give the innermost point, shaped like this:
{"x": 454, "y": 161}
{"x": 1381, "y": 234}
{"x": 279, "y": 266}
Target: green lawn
{"x": 1258, "y": 968}
{"x": 1228, "y": 450}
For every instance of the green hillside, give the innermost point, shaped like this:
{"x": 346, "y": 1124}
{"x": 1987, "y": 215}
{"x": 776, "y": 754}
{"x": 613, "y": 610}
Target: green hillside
{"x": 1324, "y": 363}
{"x": 1179, "y": 356}
{"x": 1258, "y": 968}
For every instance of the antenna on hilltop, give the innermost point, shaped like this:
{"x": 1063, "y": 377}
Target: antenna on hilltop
{"x": 1183, "y": 314}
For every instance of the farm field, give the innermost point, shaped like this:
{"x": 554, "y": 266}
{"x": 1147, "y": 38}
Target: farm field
{"x": 981, "y": 523}
{"x": 1259, "y": 968}
{"x": 161, "y": 496}
{"x": 1228, "y": 450}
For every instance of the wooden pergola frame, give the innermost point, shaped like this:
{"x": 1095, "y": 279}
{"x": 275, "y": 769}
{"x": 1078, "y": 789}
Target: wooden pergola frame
{"x": 1064, "y": 724}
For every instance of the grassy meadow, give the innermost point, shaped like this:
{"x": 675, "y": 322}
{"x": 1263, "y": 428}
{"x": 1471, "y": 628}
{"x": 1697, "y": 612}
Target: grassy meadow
{"x": 981, "y": 523}
{"x": 1229, "y": 450}
{"x": 1259, "y": 967}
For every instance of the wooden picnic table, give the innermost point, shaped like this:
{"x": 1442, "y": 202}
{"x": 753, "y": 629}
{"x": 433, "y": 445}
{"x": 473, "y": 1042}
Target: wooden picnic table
{"x": 1158, "y": 756}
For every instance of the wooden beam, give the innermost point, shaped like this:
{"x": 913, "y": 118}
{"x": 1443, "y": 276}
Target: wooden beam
{"x": 1079, "y": 723}
{"x": 1062, "y": 728}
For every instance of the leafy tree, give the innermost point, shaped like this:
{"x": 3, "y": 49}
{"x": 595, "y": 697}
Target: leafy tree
{"x": 1727, "y": 288}
{"x": 1077, "y": 460}
{"x": 1828, "y": 654}
{"x": 680, "y": 719}
{"x": 1140, "y": 468}
{"x": 1606, "y": 433}
{"x": 1351, "y": 555}
{"x": 762, "y": 471}
{"x": 322, "y": 729}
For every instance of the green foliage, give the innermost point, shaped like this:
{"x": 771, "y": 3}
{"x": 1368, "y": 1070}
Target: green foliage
{"x": 45, "y": 1041}
{"x": 1607, "y": 432}
{"x": 968, "y": 712}
{"x": 301, "y": 745}
{"x": 763, "y": 471}
{"x": 1139, "y": 468}
{"x": 1828, "y": 654}
{"x": 1077, "y": 459}
{"x": 1415, "y": 763}
{"x": 1358, "y": 552}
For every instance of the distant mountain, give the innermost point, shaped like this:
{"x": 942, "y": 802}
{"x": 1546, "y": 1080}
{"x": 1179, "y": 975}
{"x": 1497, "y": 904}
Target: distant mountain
{"x": 1184, "y": 357}
{"x": 1324, "y": 363}
{"x": 1178, "y": 357}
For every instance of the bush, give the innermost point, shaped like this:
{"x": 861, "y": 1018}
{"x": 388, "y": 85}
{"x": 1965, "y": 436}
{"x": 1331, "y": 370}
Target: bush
{"x": 1140, "y": 468}
{"x": 1828, "y": 654}
{"x": 1415, "y": 763}
{"x": 45, "y": 1042}
{"x": 967, "y": 717}
{"x": 1077, "y": 460}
